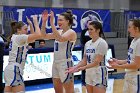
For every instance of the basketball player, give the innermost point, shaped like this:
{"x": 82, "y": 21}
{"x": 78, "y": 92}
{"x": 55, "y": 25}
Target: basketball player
{"x": 83, "y": 39}
{"x": 132, "y": 64}
{"x": 93, "y": 60}
{"x": 65, "y": 39}
{"x": 17, "y": 56}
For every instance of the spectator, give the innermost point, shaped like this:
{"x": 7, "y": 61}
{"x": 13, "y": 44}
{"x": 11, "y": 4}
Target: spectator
{"x": 30, "y": 45}
{"x": 42, "y": 43}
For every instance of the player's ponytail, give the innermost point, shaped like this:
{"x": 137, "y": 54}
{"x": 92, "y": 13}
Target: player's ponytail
{"x": 14, "y": 26}
{"x": 13, "y": 30}
{"x": 101, "y": 33}
{"x": 70, "y": 13}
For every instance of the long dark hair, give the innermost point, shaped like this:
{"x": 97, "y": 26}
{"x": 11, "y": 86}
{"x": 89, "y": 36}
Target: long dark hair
{"x": 98, "y": 25}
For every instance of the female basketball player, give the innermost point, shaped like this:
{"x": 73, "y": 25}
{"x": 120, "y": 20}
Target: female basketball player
{"x": 93, "y": 60}
{"x": 17, "y": 56}
{"x": 63, "y": 45}
{"x": 132, "y": 64}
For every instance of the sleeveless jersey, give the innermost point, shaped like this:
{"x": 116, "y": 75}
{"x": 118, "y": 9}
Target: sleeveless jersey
{"x": 18, "y": 50}
{"x": 63, "y": 50}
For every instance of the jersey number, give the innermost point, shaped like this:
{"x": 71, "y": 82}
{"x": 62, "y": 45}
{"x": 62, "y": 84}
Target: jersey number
{"x": 89, "y": 58}
{"x": 56, "y": 46}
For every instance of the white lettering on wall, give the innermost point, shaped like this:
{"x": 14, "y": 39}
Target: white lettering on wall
{"x": 20, "y": 14}
{"x": 75, "y": 21}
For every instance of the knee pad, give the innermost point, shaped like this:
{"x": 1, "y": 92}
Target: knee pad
{"x": 21, "y": 92}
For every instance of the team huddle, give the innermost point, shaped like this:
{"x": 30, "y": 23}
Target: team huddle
{"x": 62, "y": 70}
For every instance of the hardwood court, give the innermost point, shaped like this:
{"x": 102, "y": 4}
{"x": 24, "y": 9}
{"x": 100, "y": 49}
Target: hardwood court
{"x": 118, "y": 85}
{"x": 117, "y": 88}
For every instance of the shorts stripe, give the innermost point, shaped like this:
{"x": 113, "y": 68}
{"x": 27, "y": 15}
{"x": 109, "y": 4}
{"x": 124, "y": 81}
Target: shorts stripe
{"x": 138, "y": 80}
{"x": 21, "y": 76}
{"x": 106, "y": 76}
{"x": 21, "y": 54}
{"x": 69, "y": 75}
{"x": 14, "y": 76}
{"x": 104, "y": 73}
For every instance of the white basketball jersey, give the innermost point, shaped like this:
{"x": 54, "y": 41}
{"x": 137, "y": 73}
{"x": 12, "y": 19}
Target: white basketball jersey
{"x": 63, "y": 50}
{"x": 93, "y": 48}
{"x": 18, "y": 49}
{"x": 134, "y": 50}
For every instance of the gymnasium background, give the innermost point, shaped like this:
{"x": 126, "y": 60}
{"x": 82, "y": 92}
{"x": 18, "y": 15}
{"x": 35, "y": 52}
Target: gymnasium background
{"x": 114, "y": 15}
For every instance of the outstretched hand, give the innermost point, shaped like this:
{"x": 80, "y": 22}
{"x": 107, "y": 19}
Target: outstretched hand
{"x": 72, "y": 70}
{"x": 51, "y": 17}
{"x": 28, "y": 20}
{"x": 113, "y": 63}
{"x": 35, "y": 19}
{"x": 45, "y": 16}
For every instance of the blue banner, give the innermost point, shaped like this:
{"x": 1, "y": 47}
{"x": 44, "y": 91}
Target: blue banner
{"x": 132, "y": 14}
{"x": 81, "y": 16}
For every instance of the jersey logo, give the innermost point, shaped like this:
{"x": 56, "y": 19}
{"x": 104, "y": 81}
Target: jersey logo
{"x": 90, "y": 50}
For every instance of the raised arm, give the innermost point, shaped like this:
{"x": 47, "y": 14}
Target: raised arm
{"x": 37, "y": 34}
{"x": 43, "y": 27}
{"x": 54, "y": 30}
{"x": 31, "y": 25}
{"x": 44, "y": 20}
